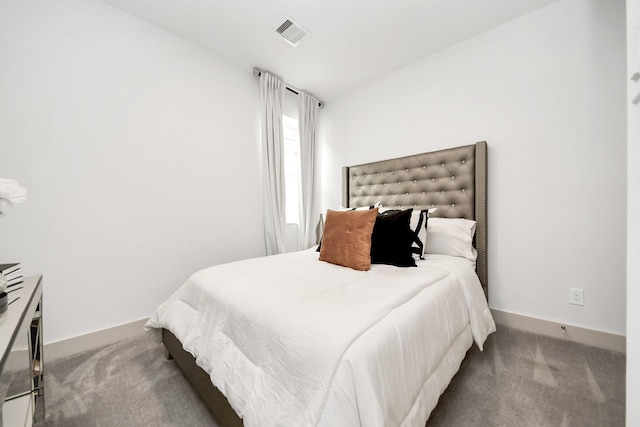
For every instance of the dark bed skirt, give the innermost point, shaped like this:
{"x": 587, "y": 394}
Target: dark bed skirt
{"x": 199, "y": 379}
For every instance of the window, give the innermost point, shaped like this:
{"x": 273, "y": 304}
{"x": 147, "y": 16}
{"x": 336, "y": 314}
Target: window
{"x": 291, "y": 169}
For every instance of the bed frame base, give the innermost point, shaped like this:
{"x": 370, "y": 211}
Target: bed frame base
{"x": 199, "y": 379}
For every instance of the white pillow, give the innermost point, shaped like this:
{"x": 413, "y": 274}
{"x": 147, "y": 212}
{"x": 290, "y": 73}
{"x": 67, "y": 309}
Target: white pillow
{"x": 361, "y": 208}
{"x": 387, "y": 208}
{"x": 422, "y": 232}
{"x": 451, "y": 236}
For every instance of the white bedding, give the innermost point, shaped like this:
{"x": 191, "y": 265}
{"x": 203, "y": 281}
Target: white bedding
{"x": 293, "y": 341}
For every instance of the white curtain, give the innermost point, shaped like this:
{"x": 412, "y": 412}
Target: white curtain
{"x": 271, "y": 96}
{"x": 307, "y": 112}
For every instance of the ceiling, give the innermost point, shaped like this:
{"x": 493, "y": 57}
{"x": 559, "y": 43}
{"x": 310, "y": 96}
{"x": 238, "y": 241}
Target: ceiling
{"x": 351, "y": 43}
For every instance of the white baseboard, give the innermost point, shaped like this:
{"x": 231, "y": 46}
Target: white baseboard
{"x": 607, "y": 340}
{"x": 91, "y": 341}
{"x": 592, "y": 337}
{"x": 18, "y": 359}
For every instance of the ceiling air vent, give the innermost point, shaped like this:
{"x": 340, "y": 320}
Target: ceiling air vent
{"x": 292, "y": 32}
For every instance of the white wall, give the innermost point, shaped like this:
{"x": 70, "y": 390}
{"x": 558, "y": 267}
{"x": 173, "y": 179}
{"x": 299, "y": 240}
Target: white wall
{"x": 547, "y": 92}
{"x": 140, "y": 152}
{"x": 633, "y": 213}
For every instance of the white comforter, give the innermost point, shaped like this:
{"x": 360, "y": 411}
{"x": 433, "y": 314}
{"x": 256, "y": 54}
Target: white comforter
{"x": 293, "y": 341}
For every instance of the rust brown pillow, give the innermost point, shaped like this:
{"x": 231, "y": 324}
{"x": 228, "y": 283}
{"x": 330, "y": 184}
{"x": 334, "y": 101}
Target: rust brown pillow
{"x": 347, "y": 238}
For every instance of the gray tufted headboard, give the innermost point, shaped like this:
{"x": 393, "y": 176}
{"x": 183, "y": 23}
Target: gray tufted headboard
{"x": 453, "y": 180}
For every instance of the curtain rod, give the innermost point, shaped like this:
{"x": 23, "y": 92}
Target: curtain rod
{"x": 258, "y": 72}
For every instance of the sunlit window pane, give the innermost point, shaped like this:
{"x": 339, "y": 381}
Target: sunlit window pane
{"x": 291, "y": 168}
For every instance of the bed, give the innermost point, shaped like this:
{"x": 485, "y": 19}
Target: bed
{"x": 348, "y": 347}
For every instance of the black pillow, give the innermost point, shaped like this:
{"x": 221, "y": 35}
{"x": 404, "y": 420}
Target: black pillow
{"x": 392, "y": 239}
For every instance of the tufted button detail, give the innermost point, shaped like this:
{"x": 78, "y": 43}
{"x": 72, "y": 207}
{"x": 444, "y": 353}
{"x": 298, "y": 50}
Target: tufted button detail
{"x": 433, "y": 180}
{"x": 391, "y": 171}
{"x": 406, "y": 170}
{"x": 415, "y": 180}
{"x": 463, "y": 161}
{"x": 442, "y": 191}
{"x": 433, "y": 206}
{"x": 453, "y": 204}
{"x": 463, "y": 190}
{"x": 424, "y": 167}
{"x": 399, "y": 182}
{"x": 453, "y": 177}
{"x": 407, "y": 194}
{"x": 443, "y": 164}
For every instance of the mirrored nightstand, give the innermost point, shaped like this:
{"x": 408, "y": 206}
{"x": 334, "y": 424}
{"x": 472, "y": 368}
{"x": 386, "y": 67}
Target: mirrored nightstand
{"x": 21, "y": 351}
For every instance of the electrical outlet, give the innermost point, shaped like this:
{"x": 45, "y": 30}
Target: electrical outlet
{"x": 576, "y": 296}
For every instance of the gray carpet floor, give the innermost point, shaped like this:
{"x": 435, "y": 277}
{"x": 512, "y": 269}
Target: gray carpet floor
{"x": 521, "y": 379}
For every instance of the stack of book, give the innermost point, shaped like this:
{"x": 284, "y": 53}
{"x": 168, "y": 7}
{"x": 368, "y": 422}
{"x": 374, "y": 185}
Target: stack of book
{"x": 13, "y": 273}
